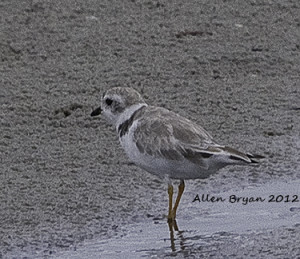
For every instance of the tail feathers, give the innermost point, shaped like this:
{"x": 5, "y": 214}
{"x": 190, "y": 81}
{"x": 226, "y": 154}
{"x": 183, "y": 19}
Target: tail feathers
{"x": 254, "y": 158}
{"x": 238, "y": 156}
{"x": 235, "y": 156}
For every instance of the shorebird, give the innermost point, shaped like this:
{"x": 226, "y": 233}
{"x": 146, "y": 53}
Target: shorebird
{"x": 165, "y": 143}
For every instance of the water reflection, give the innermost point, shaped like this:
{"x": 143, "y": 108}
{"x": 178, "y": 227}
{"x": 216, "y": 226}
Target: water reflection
{"x": 173, "y": 228}
{"x": 222, "y": 229}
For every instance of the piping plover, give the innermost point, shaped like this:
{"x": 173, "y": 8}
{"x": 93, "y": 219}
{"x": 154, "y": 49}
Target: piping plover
{"x": 165, "y": 143}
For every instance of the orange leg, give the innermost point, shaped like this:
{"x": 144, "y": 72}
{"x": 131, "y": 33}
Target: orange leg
{"x": 170, "y": 192}
{"x": 180, "y": 192}
{"x": 172, "y": 212}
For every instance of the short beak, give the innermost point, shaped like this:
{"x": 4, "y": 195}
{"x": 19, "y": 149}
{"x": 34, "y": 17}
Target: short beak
{"x": 96, "y": 112}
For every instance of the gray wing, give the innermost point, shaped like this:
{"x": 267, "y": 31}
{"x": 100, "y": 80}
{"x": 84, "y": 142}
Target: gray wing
{"x": 162, "y": 133}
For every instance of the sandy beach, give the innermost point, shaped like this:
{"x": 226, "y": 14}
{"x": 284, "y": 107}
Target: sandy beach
{"x": 67, "y": 189}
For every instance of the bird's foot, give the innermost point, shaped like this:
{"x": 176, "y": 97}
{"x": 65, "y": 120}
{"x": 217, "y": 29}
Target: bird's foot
{"x": 172, "y": 224}
{"x": 172, "y": 216}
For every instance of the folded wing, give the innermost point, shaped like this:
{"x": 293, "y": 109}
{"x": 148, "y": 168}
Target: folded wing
{"x": 169, "y": 135}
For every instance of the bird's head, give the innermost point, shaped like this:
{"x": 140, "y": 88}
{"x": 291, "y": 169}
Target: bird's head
{"x": 116, "y": 102}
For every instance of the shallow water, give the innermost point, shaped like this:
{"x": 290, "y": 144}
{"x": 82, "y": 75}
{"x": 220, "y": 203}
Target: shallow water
{"x": 204, "y": 224}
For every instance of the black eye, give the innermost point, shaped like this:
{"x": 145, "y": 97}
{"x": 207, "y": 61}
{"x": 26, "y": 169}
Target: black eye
{"x": 109, "y": 101}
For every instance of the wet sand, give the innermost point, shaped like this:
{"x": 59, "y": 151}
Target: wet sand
{"x": 65, "y": 183}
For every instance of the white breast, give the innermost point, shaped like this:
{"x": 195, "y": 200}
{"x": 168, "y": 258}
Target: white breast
{"x": 129, "y": 145}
